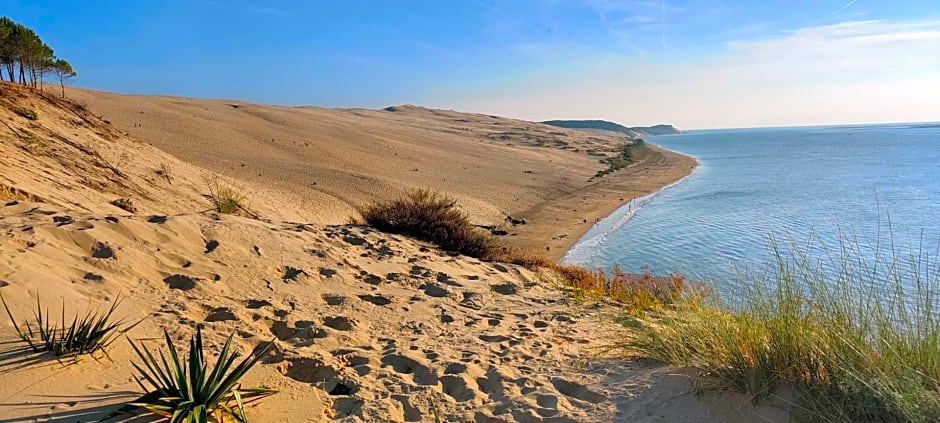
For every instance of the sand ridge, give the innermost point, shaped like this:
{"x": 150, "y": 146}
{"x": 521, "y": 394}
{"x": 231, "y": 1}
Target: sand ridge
{"x": 338, "y": 160}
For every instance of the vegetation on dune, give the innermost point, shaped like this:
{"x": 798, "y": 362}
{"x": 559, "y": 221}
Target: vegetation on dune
{"x": 433, "y": 217}
{"x": 21, "y": 47}
{"x": 629, "y": 154}
{"x": 857, "y": 340}
{"x": 227, "y": 199}
{"x": 25, "y": 113}
{"x": 89, "y": 334}
{"x": 187, "y": 390}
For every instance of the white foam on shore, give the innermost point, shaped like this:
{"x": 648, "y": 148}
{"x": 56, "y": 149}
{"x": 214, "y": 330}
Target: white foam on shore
{"x": 585, "y": 251}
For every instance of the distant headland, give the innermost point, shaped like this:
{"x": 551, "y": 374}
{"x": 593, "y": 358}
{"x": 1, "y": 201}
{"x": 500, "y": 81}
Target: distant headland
{"x": 603, "y": 125}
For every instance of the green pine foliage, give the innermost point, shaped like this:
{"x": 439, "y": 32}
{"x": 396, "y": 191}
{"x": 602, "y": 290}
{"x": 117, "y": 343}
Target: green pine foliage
{"x": 27, "y": 59}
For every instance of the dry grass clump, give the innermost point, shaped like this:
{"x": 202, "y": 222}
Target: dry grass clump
{"x": 857, "y": 339}
{"x": 25, "y": 113}
{"x": 165, "y": 172}
{"x": 637, "y": 293}
{"x": 432, "y": 217}
{"x": 125, "y": 203}
{"x": 15, "y": 194}
{"x": 228, "y": 200}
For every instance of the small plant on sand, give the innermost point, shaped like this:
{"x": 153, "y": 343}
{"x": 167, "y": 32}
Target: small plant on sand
{"x": 126, "y": 204}
{"x": 186, "y": 390}
{"x": 92, "y": 333}
{"x": 228, "y": 200}
{"x": 637, "y": 293}
{"x": 26, "y": 113}
{"x": 430, "y": 216}
{"x": 165, "y": 172}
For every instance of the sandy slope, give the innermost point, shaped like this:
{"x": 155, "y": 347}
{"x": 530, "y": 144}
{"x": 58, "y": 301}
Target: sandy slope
{"x": 340, "y": 159}
{"x": 366, "y": 326}
{"x": 401, "y": 326}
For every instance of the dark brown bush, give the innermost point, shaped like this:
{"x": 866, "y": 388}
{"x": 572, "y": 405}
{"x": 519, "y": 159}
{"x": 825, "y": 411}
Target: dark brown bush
{"x": 432, "y": 217}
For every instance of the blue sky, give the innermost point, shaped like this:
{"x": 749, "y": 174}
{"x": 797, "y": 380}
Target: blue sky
{"x": 695, "y": 63}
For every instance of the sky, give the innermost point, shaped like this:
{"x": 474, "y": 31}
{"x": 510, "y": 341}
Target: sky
{"x": 692, "y": 63}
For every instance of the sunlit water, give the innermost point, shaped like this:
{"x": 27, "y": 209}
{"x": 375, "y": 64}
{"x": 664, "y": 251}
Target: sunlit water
{"x": 868, "y": 185}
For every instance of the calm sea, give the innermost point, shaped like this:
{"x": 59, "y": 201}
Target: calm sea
{"x": 811, "y": 187}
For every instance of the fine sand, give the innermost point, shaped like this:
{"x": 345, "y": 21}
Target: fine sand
{"x": 366, "y": 326}
{"x": 337, "y": 160}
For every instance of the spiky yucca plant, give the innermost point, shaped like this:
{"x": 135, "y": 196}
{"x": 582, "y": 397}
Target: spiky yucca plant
{"x": 92, "y": 333}
{"x": 187, "y": 391}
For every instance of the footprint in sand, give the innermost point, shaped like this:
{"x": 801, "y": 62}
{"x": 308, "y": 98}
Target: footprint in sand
{"x": 221, "y": 314}
{"x": 158, "y": 219}
{"x": 62, "y": 220}
{"x": 255, "y": 304}
{"x": 102, "y": 251}
{"x": 94, "y": 277}
{"x": 578, "y": 391}
{"x": 291, "y": 273}
{"x": 411, "y": 413}
{"x": 339, "y": 323}
{"x": 375, "y": 299}
{"x": 422, "y": 374}
{"x": 181, "y": 282}
{"x": 334, "y": 299}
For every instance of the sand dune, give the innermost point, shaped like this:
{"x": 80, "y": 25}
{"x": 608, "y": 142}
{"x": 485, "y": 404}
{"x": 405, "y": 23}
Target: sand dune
{"x": 402, "y": 327}
{"x": 339, "y": 159}
{"x": 366, "y": 326}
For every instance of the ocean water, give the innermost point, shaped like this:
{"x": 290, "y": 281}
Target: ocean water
{"x": 875, "y": 188}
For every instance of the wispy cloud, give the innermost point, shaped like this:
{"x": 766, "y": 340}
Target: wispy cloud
{"x": 626, "y": 18}
{"x": 860, "y": 71}
{"x": 847, "y": 5}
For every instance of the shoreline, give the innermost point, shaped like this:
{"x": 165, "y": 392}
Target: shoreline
{"x": 555, "y": 226}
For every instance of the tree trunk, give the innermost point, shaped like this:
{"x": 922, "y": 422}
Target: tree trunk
{"x": 62, "y": 84}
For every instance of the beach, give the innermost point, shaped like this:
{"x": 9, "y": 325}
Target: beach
{"x": 328, "y": 163}
{"x": 363, "y": 325}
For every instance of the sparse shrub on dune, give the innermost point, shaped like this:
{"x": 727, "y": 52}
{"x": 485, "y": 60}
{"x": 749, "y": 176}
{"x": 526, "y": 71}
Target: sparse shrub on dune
{"x": 25, "y": 113}
{"x": 430, "y": 216}
{"x": 433, "y": 217}
{"x": 165, "y": 172}
{"x": 227, "y": 199}
{"x": 125, "y": 203}
{"x": 187, "y": 390}
{"x": 636, "y": 293}
{"x": 89, "y": 334}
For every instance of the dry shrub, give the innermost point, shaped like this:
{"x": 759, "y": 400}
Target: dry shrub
{"x": 165, "y": 172}
{"x": 228, "y": 199}
{"x": 637, "y": 292}
{"x": 16, "y": 194}
{"x": 430, "y": 216}
{"x": 126, "y": 204}
{"x": 433, "y": 217}
{"x": 26, "y": 113}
